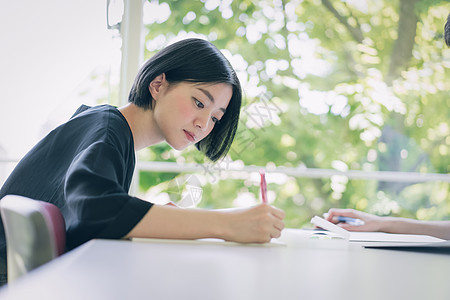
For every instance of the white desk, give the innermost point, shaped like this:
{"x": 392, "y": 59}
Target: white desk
{"x": 304, "y": 269}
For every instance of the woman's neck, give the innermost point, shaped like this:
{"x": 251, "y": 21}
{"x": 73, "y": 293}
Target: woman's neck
{"x": 142, "y": 126}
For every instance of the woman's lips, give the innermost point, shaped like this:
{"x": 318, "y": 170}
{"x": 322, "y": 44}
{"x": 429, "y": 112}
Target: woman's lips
{"x": 190, "y": 136}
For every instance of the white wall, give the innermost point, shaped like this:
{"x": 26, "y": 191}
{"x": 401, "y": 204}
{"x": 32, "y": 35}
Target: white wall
{"x": 47, "y": 49}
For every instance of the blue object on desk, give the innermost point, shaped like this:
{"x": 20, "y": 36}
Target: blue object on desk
{"x": 350, "y": 221}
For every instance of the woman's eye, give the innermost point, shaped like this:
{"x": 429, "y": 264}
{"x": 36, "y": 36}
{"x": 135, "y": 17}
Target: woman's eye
{"x": 198, "y": 103}
{"x": 215, "y": 120}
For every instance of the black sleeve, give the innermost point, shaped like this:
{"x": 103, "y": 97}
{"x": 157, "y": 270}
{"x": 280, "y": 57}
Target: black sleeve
{"x": 97, "y": 202}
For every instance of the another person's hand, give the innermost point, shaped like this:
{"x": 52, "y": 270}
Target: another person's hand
{"x": 371, "y": 222}
{"x": 258, "y": 224}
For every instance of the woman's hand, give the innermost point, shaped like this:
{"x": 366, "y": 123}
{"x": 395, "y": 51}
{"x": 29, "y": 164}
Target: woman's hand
{"x": 258, "y": 224}
{"x": 371, "y": 222}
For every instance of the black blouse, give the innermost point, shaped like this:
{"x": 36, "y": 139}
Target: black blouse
{"x": 84, "y": 167}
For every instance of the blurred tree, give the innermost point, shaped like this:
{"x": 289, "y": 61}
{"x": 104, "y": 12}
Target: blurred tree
{"x": 328, "y": 84}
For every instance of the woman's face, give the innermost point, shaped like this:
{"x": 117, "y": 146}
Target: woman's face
{"x": 186, "y": 113}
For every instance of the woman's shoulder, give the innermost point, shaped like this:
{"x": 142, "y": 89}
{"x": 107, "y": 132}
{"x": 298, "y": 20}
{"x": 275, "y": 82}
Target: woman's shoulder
{"x": 102, "y": 121}
{"x": 100, "y": 114}
{"x": 103, "y": 109}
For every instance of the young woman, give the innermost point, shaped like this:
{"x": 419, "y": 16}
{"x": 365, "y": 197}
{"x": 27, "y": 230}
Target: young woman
{"x": 187, "y": 94}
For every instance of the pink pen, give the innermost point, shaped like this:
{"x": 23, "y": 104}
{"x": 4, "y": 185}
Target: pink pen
{"x": 263, "y": 186}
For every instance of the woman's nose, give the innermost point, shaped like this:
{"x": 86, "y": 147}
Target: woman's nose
{"x": 202, "y": 122}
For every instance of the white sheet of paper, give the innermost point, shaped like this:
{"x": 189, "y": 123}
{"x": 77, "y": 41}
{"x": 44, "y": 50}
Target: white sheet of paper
{"x": 209, "y": 241}
{"x": 362, "y": 236}
{"x": 322, "y": 223}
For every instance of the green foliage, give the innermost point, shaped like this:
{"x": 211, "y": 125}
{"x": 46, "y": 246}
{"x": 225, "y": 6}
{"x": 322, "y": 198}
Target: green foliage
{"x": 334, "y": 107}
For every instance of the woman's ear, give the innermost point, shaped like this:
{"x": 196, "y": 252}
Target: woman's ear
{"x": 157, "y": 86}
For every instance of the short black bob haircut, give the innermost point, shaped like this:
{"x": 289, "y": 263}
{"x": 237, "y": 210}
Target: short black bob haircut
{"x": 447, "y": 31}
{"x": 197, "y": 61}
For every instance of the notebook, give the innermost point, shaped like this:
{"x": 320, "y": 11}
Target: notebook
{"x": 437, "y": 247}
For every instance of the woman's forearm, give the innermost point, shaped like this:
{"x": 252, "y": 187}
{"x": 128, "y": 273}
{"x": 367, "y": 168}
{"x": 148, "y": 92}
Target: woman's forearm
{"x": 440, "y": 229}
{"x": 177, "y": 223}
{"x": 256, "y": 224}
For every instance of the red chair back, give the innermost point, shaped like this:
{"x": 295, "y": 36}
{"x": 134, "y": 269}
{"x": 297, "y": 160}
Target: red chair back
{"x": 35, "y": 233}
